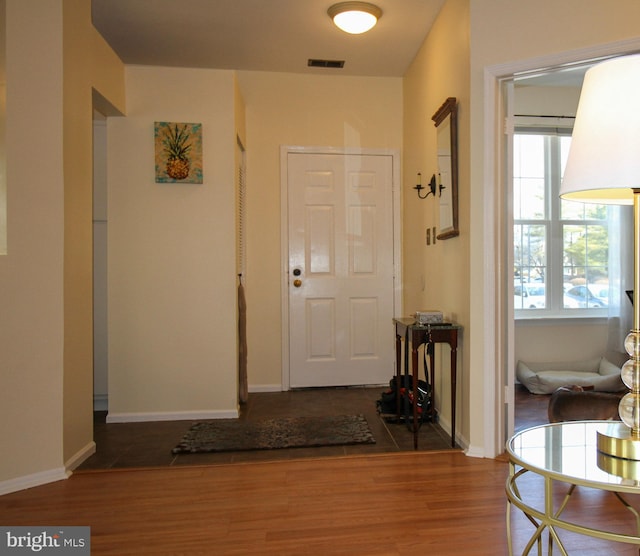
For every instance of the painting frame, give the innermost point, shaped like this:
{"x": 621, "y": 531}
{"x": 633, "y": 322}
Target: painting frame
{"x": 178, "y": 152}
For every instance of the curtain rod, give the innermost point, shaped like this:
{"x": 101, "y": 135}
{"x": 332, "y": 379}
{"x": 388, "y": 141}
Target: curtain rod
{"x": 543, "y": 116}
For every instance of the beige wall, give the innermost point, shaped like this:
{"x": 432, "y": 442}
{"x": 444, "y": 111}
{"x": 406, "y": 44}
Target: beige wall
{"x": 505, "y": 31}
{"x": 31, "y": 275}
{"x": 45, "y": 279}
{"x": 557, "y": 341}
{"x": 436, "y": 276}
{"x": 87, "y": 63}
{"x": 171, "y": 250}
{"x": 183, "y": 258}
{"x": 291, "y": 109}
{"x": 459, "y": 276}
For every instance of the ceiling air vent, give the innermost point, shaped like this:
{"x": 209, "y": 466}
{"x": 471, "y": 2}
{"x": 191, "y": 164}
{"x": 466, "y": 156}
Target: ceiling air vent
{"x": 313, "y": 63}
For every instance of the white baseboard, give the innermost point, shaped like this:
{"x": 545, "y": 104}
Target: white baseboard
{"x": 80, "y": 456}
{"x": 463, "y": 442}
{"x": 33, "y": 480}
{"x": 171, "y": 416}
{"x": 257, "y": 388}
{"x": 445, "y": 425}
{"x": 475, "y": 452}
{"x": 265, "y": 388}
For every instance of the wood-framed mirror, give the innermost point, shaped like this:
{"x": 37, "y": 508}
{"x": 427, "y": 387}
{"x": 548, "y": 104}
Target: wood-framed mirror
{"x": 446, "y": 122}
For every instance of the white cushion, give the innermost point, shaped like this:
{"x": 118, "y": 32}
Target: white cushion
{"x": 547, "y": 377}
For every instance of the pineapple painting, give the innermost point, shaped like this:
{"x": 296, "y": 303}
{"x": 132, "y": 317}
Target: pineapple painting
{"x": 178, "y": 152}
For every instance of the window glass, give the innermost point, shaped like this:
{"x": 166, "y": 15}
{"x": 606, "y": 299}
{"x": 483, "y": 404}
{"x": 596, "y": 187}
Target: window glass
{"x": 529, "y": 177}
{"x": 561, "y": 248}
{"x": 530, "y": 243}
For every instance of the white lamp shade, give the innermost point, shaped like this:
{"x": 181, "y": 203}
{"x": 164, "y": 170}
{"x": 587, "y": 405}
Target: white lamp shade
{"x": 354, "y": 17}
{"x": 604, "y": 159}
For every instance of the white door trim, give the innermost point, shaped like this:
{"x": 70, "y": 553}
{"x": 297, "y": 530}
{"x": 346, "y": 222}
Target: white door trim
{"x": 284, "y": 235}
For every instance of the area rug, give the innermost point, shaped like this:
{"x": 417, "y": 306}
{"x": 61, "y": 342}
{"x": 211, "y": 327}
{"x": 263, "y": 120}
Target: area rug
{"x": 231, "y": 435}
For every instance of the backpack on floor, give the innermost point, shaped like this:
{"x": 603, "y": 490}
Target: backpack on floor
{"x": 388, "y": 402}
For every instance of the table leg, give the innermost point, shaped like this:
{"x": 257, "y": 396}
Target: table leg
{"x": 548, "y": 510}
{"x": 454, "y": 375}
{"x": 414, "y": 369}
{"x": 632, "y": 510}
{"x": 430, "y": 347}
{"x": 398, "y": 373}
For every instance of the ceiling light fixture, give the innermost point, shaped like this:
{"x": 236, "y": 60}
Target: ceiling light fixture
{"x": 354, "y": 17}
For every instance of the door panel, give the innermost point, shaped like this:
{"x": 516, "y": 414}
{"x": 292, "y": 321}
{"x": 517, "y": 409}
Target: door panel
{"x": 320, "y": 329}
{"x": 319, "y": 240}
{"x": 340, "y": 269}
{"x": 363, "y": 318}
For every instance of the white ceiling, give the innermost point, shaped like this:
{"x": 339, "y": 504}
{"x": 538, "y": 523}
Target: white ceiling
{"x": 264, "y": 35}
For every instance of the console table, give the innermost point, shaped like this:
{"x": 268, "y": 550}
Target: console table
{"x": 417, "y": 334}
{"x": 566, "y": 455}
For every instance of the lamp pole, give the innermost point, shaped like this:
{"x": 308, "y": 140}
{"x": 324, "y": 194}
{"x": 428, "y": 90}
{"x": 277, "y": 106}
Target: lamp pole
{"x": 632, "y": 342}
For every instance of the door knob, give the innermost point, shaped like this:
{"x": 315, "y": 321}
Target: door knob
{"x": 297, "y": 283}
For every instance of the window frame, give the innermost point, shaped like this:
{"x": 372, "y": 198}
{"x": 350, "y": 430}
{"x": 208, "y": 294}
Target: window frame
{"x": 554, "y": 226}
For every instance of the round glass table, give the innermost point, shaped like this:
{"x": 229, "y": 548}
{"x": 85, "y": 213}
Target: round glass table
{"x": 566, "y": 455}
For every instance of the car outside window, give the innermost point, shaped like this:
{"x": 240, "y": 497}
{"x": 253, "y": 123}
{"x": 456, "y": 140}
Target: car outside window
{"x": 560, "y": 248}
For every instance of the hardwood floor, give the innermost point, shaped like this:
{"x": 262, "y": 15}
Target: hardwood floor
{"x": 440, "y": 503}
{"x": 530, "y": 409}
{"x": 396, "y": 503}
{"x": 407, "y": 503}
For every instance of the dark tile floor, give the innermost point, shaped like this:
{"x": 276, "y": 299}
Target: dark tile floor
{"x": 148, "y": 444}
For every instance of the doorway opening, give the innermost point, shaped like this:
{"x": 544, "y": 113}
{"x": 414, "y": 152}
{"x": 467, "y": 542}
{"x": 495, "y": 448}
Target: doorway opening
{"x": 550, "y": 72}
{"x": 100, "y": 318}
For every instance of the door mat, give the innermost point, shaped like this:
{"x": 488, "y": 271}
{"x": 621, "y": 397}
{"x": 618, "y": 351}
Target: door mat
{"x": 231, "y": 435}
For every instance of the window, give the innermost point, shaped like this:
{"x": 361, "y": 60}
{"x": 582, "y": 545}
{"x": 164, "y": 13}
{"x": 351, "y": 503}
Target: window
{"x": 561, "y": 248}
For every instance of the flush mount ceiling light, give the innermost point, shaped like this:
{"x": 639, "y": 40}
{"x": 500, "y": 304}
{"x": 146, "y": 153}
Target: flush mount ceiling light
{"x": 354, "y": 17}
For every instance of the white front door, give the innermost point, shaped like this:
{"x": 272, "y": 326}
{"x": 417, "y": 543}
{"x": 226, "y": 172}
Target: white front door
{"x": 340, "y": 269}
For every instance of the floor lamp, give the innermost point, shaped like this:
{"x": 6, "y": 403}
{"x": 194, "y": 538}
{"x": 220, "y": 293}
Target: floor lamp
{"x": 604, "y": 167}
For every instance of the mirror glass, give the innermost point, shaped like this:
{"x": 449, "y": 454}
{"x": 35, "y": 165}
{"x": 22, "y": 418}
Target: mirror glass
{"x": 446, "y": 122}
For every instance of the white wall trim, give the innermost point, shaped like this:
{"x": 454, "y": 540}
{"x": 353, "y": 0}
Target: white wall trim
{"x": 171, "y": 416}
{"x": 475, "y": 452}
{"x": 576, "y": 58}
{"x": 265, "y": 388}
{"x": 284, "y": 233}
{"x": 80, "y": 456}
{"x": 461, "y": 440}
{"x": 33, "y": 480}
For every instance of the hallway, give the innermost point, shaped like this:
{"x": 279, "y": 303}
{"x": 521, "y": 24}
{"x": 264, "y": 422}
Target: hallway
{"x": 149, "y": 444}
